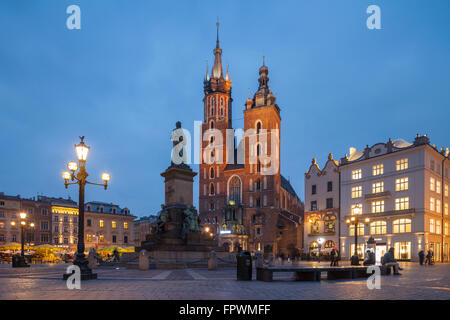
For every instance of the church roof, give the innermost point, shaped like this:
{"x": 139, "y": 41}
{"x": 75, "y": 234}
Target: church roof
{"x": 286, "y": 185}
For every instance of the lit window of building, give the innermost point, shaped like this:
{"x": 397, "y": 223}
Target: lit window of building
{"x": 432, "y": 204}
{"x": 377, "y": 169}
{"x": 401, "y": 184}
{"x": 356, "y": 208}
{"x": 446, "y": 209}
{"x": 446, "y": 190}
{"x": 378, "y": 227}
{"x": 438, "y": 226}
{"x": 357, "y": 192}
{"x": 101, "y": 223}
{"x": 438, "y": 206}
{"x": 438, "y": 186}
{"x": 402, "y": 250}
{"x": 401, "y": 225}
{"x": 356, "y": 174}
{"x": 102, "y": 238}
{"x": 378, "y": 187}
{"x": 401, "y": 164}
{"x": 377, "y": 206}
{"x": 89, "y": 237}
{"x": 125, "y": 225}
{"x": 351, "y": 230}
{"x": 432, "y": 225}
{"x": 432, "y": 184}
{"x": 114, "y": 224}
{"x": 446, "y": 228}
{"x": 402, "y": 203}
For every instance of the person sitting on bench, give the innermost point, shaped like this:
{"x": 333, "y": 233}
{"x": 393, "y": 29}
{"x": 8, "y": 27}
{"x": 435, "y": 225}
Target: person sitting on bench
{"x": 389, "y": 261}
{"x": 370, "y": 258}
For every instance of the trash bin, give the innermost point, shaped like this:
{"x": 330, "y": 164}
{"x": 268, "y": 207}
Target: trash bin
{"x": 244, "y": 266}
{"x": 15, "y": 260}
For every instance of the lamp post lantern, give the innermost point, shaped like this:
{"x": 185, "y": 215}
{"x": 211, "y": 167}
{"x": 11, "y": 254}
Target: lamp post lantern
{"x": 19, "y": 261}
{"x": 355, "y": 221}
{"x": 79, "y": 178}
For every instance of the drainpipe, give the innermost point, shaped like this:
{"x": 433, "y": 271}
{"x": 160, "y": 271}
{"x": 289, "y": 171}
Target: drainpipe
{"x": 442, "y": 206}
{"x": 339, "y": 212}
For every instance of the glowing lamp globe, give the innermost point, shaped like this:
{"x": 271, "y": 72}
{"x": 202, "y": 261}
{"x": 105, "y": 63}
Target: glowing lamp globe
{"x": 72, "y": 166}
{"x": 22, "y": 215}
{"x": 106, "y": 177}
{"x": 66, "y": 175}
{"x": 82, "y": 151}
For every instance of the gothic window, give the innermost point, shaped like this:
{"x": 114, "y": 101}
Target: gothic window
{"x": 212, "y": 189}
{"x": 221, "y": 111}
{"x": 258, "y": 202}
{"x": 211, "y": 139}
{"x": 258, "y": 185}
{"x": 258, "y": 150}
{"x": 211, "y": 206}
{"x": 212, "y": 173}
{"x": 211, "y": 126}
{"x": 258, "y": 127}
{"x": 221, "y": 101}
{"x": 235, "y": 190}
{"x": 258, "y": 167}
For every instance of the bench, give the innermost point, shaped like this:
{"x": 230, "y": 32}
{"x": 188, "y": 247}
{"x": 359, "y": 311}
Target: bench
{"x": 314, "y": 273}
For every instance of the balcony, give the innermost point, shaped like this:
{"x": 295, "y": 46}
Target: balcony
{"x": 377, "y": 196}
{"x": 383, "y": 214}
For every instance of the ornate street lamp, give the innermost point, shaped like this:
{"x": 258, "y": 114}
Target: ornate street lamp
{"x": 80, "y": 178}
{"x": 20, "y": 260}
{"x": 355, "y": 221}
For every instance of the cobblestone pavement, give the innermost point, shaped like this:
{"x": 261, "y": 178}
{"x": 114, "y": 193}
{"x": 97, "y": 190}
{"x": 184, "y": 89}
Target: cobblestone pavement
{"x": 45, "y": 282}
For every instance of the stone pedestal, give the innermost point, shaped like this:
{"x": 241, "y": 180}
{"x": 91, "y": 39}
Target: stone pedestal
{"x": 144, "y": 263}
{"x": 259, "y": 260}
{"x": 212, "y": 261}
{"x": 92, "y": 260}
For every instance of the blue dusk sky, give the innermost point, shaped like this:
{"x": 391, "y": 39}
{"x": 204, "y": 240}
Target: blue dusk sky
{"x": 136, "y": 67}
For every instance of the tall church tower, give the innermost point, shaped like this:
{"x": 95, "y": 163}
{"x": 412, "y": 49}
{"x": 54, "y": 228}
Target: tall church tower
{"x": 217, "y": 119}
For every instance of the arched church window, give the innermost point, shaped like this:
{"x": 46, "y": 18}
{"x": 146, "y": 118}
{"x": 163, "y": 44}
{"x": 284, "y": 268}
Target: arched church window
{"x": 258, "y": 167}
{"x": 211, "y": 139}
{"x": 258, "y": 185}
{"x": 211, "y": 126}
{"x": 235, "y": 190}
{"x": 258, "y": 126}
{"x": 212, "y": 173}
{"x": 211, "y": 188}
{"x": 221, "y": 111}
{"x": 221, "y": 101}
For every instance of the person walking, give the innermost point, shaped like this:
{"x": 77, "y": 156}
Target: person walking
{"x": 332, "y": 257}
{"x": 421, "y": 257}
{"x": 428, "y": 257}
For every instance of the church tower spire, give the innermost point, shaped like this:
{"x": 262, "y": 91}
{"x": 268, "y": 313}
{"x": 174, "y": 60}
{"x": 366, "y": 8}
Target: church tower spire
{"x": 217, "y": 71}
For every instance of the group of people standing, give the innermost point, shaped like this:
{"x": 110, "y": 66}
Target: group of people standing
{"x": 428, "y": 259}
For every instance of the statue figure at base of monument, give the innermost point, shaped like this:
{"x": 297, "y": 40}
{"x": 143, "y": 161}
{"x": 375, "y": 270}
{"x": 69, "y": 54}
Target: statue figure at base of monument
{"x": 191, "y": 221}
{"x": 163, "y": 218}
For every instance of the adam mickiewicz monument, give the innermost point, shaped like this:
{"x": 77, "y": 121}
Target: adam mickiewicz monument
{"x": 177, "y": 239}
